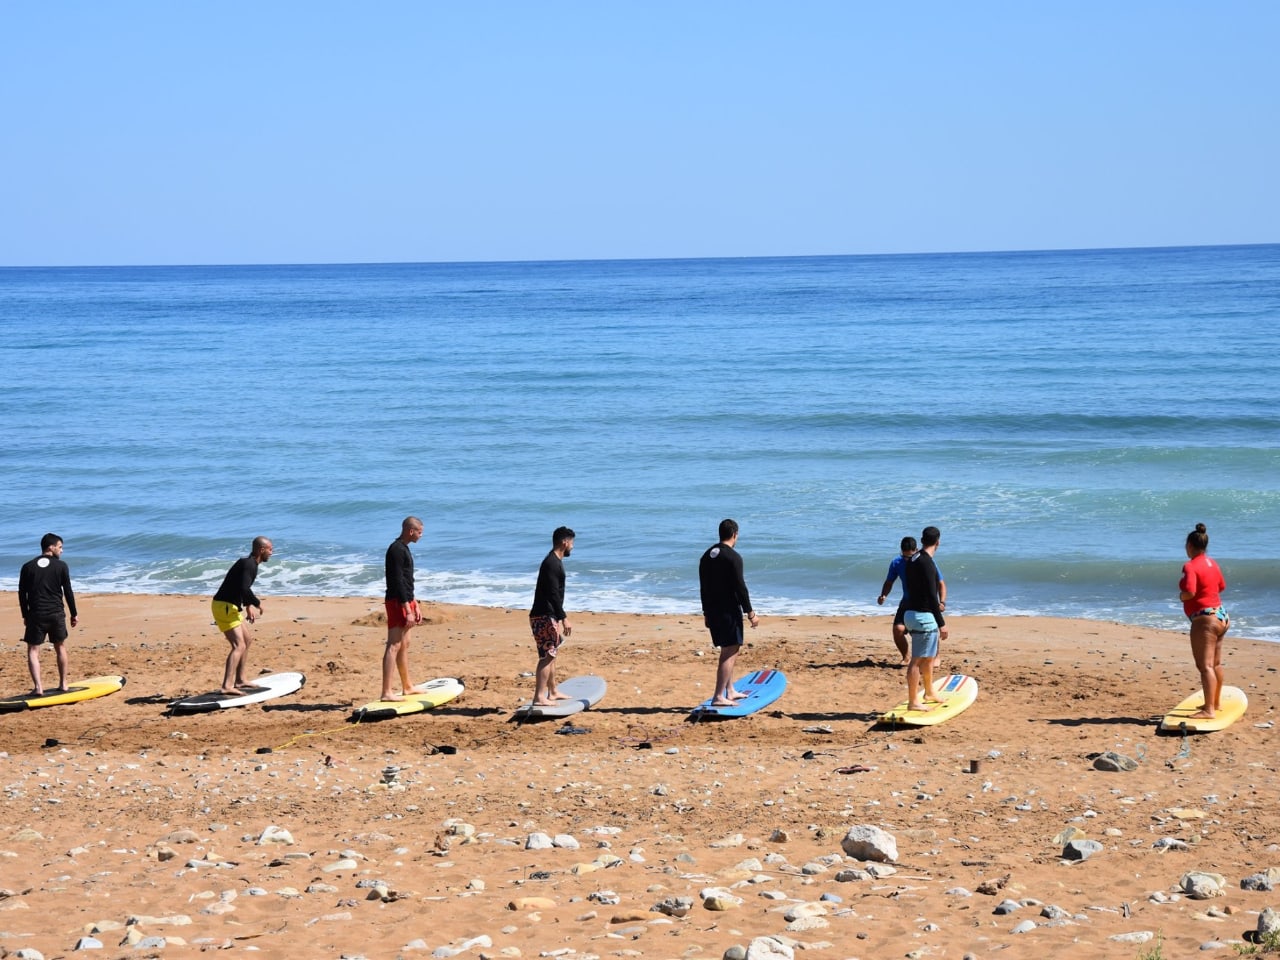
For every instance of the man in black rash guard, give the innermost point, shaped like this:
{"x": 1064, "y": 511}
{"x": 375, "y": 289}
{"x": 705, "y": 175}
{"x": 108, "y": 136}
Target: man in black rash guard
{"x": 547, "y": 619}
{"x": 924, "y": 620}
{"x": 724, "y": 601}
{"x": 402, "y": 609}
{"x": 235, "y": 606}
{"x": 42, "y": 585}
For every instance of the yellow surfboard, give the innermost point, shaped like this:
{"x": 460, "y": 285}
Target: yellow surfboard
{"x": 1234, "y": 704}
{"x": 81, "y": 690}
{"x": 424, "y": 696}
{"x": 957, "y": 693}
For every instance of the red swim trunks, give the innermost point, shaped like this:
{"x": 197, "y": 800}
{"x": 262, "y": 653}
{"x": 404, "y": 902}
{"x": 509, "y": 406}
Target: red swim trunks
{"x": 395, "y": 613}
{"x": 546, "y": 636}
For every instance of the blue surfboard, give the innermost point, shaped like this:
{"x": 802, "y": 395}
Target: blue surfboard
{"x": 762, "y": 688}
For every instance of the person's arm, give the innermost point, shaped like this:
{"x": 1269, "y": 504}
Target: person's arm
{"x": 24, "y": 593}
{"x": 69, "y": 594}
{"x": 740, "y": 588}
{"x": 249, "y": 573}
{"x": 1187, "y": 585}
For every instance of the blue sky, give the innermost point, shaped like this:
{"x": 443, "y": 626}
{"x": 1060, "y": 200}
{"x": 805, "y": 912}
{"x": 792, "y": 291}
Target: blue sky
{"x": 269, "y": 132}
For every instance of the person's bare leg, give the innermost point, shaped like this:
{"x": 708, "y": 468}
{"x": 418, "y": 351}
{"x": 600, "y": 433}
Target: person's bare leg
{"x": 60, "y": 651}
{"x": 33, "y": 665}
{"x": 390, "y": 658}
{"x": 724, "y": 692}
{"x": 1203, "y": 641}
{"x": 235, "y": 659}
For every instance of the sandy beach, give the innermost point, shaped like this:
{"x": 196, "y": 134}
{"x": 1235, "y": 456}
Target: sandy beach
{"x": 638, "y": 834}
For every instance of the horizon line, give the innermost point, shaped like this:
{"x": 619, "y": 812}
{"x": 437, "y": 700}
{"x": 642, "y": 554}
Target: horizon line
{"x": 565, "y": 260}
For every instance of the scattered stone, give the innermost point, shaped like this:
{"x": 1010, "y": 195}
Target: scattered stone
{"x": 719, "y": 899}
{"x": 736, "y": 952}
{"x": 1081, "y": 849}
{"x": 867, "y": 842}
{"x": 538, "y": 841}
{"x": 769, "y": 948}
{"x": 565, "y": 841}
{"x": 1170, "y": 843}
{"x": 273, "y": 834}
{"x": 1268, "y": 921}
{"x": 1067, "y": 835}
{"x": 1114, "y": 762}
{"x": 531, "y": 903}
{"x": 1264, "y": 881}
{"x": 1005, "y": 907}
{"x": 801, "y": 910}
{"x": 1199, "y": 885}
{"x": 1026, "y": 926}
{"x": 89, "y": 943}
{"x": 736, "y": 840}
{"x": 1052, "y": 911}
{"x": 673, "y": 906}
{"x": 1137, "y": 936}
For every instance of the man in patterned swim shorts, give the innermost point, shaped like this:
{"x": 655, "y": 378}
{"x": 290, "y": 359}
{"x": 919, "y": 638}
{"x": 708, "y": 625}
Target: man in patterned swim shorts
{"x": 547, "y": 619}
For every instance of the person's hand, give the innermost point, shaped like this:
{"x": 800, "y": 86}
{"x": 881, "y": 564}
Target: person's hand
{"x": 942, "y": 633}
{"x": 567, "y": 626}
{"x": 880, "y": 600}
{"x": 74, "y": 621}
{"x": 753, "y": 620}
{"x": 249, "y": 613}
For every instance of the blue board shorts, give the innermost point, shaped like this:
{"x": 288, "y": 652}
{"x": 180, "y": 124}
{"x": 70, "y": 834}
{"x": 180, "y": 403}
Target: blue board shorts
{"x": 924, "y": 634}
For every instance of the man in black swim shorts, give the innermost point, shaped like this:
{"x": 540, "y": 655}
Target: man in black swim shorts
{"x": 724, "y": 602}
{"x": 43, "y": 584}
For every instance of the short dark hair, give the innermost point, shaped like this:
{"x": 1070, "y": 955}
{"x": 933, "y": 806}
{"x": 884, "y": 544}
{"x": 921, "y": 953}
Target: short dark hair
{"x": 1198, "y": 539}
{"x": 908, "y": 543}
{"x": 561, "y": 535}
{"x": 728, "y": 529}
{"x": 929, "y": 536}
{"x": 258, "y": 544}
{"x": 48, "y": 540}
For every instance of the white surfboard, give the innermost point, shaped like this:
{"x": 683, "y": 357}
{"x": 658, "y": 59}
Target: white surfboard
{"x": 264, "y": 688}
{"x": 583, "y": 692}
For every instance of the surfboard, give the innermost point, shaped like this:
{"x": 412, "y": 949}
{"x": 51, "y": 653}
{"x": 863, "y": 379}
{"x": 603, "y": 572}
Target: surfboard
{"x": 266, "y": 687}
{"x": 583, "y": 692}
{"x": 762, "y": 688}
{"x": 424, "y": 697}
{"x": 80, "y": 690}
{"x": 957, "y": 692}
{"x": 1234, "y": 704}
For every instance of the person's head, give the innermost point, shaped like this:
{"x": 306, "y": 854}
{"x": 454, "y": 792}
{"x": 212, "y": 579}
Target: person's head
{"x": 1197, "y": 540}
{"x": 929, "y": 537}
{"x": 410, "y": 529}
{"x": 261, "y": 549}
{"x": 728, "y": 530}
{"x": 908, "y": 546}
{"x": 51, "y": 543}
{"x": 562, "y": 540}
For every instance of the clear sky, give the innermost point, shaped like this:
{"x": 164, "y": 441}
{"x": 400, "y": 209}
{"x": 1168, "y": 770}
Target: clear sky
{"x": 266, "y": 132}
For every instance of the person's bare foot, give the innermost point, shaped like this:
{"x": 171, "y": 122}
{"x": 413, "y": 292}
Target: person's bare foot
{"x": 918, "y": 708}
{"x": 722, "y": 702}
{"x": 391, "y": 698}
{"x": 1202, "y": 715}
{"x": 233, "y": 692}
{"x": 560, "y": 696}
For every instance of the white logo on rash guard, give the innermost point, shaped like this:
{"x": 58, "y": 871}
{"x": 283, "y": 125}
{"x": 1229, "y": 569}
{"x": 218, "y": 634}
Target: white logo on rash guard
{"x": 42, "y": 562}
{"x": 715, "y": 552}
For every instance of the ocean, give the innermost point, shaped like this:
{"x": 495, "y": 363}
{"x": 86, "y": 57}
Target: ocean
{"x": 1064, "y": 417}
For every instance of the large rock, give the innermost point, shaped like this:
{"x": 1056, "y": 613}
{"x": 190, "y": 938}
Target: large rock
{"x": 1199, "y": 885}
{"x": 767, "y": 948}
{"x": 866, "y": 842}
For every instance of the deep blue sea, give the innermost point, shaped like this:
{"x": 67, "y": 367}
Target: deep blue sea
{"x": 1064, "y": 417}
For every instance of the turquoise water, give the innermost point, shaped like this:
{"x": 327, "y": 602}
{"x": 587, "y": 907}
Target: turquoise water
{"x": 1064, "y": 417}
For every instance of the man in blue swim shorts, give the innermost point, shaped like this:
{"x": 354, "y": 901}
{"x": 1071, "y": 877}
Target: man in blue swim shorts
{"x": 924, "y": 620}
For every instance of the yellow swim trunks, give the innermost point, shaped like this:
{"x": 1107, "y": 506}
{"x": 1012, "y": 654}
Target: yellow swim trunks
{"x": 226, "y": 615}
